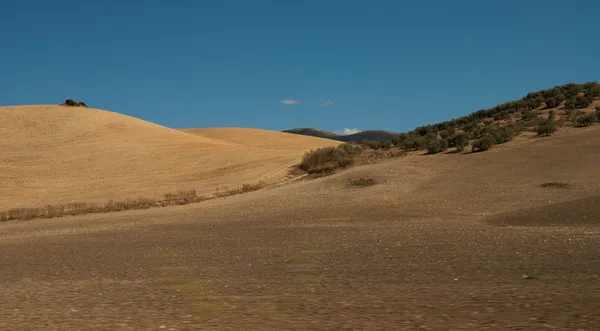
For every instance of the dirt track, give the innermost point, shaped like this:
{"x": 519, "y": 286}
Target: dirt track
{"x": 442, "y": 242}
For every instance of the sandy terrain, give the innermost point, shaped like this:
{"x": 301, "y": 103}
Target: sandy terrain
{"x": 442, "y": 242}
{"x": 51, "y": 154}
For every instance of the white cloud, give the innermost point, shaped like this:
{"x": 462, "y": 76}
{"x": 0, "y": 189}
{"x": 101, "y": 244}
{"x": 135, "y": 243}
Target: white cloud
{"x": 322, "y": 102}
{"x": 290, "y": 102}
{"x": 349, "y": 131}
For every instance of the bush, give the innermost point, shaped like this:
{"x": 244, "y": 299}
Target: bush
{"x": 415, "y": 143}
{"x": 351, "y": 148}
{"x": 483, "y": 144}
{"x": 363, "y": 182}
{"x": 372, "y": 144}
{"x": 547, "y": 128}
{"x": 436, "y": 146}
{"x": 529, "y": 115}
{"x": 587, "y": 120}
{"x": 552, "y": 103}
{"x": 73, "y": 103}
{"x": 502, "y": 135}
{"x": 582, "y": 101}
{"x": 387, "y": 144}
{"x": 570, "y": 104}
{"x": 460, "y": 141}
{"x": 329, "y": 159}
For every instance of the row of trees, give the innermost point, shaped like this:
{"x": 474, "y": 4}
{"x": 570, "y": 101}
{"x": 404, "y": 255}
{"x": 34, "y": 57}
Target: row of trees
{"x": 575, "y": 96}
{"x": 482, "y": 128}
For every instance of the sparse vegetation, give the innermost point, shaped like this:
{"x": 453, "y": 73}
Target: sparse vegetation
{"x": 546, "y": 128}
{"x": 459, "y": 141}
{"x": 435, "y": 146}
{"x": 363, "y": 182}
{"x": 513, "y": 115}
{"x": 483, "y": 144}
{"x": 555, "y": 185}
{"x": 326, "y": 160}
{"x": 586, "y": 120}
{"x": 73, "y": 103}
{"x": 80, "y": 208}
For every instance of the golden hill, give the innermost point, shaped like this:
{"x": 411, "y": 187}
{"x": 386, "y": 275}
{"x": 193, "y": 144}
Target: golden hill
{"x": 54, "y": 154}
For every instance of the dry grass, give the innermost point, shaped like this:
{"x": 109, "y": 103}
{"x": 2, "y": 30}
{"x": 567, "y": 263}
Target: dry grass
{"x": 55, "y": 155}
{"x": 80, "y": 208}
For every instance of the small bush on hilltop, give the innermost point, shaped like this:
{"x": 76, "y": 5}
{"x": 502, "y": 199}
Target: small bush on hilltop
{"x": 324, "y": 160}
{"x": 73, "y": 103}
{"x": 546, "y": 128}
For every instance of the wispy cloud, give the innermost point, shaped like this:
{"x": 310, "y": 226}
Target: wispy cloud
{"x": 290, "y": 102}
{"x": 347, "y": 131}
{"x": 321, "y": 101}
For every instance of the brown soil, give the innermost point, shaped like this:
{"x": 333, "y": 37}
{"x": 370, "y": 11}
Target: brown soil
{"x": 442, "y": 242}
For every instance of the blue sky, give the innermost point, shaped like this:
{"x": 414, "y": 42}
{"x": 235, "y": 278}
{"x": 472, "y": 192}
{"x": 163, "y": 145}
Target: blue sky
{"x": 279, "y": 64}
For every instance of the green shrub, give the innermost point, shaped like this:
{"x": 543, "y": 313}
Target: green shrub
{"x": 435, "y": 146}
{"x": 582, "y": 101}
{"x": 460, "y": 141}
{"x": 503, "y": 134}
{"x": 329, "y": 159}
{"x": 552, "y": 102}
{"x": 546, "y": 128}
{"x": 73, "y": 103}
{"x": 372, "y": 144}
{"x": 570, "y": 104}
{"x": 415, "y": 143}
{"x": 483, "y": 144}
{"x": 351, "y": 148}
{"x": 587, "y": 120}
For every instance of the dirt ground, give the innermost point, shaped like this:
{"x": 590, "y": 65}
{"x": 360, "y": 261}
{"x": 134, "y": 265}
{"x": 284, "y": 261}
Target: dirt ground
{"x": 445, "y": 242}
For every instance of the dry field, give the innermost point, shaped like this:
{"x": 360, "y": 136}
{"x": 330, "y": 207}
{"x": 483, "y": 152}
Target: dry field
{"x": 508, "y": 239}
{"x": 53, "y": 154}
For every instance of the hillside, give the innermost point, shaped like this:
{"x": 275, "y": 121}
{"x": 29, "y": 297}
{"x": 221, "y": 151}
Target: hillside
{"x": 447, "y": 242}
{"x": 314, "y": 133}
{"x": 53, "y": 154}
{"x": 356, "y": 137}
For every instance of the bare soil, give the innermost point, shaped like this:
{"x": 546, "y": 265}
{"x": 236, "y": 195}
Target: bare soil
{"x": 442, "y": 242}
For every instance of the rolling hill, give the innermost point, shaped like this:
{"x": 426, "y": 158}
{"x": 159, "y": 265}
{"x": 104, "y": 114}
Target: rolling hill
{"x": 53, "y": 154}
{"x": 356, "y": 137}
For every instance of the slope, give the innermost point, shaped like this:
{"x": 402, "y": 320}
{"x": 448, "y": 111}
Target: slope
{"x": 54, "y": 154}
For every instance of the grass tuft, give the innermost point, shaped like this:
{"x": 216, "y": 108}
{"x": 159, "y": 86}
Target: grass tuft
{"x": 363, "y": 182}
{"x": 555, "y": 185}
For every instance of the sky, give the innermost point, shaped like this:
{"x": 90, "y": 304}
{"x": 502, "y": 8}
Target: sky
{"x": 337, "y": 65}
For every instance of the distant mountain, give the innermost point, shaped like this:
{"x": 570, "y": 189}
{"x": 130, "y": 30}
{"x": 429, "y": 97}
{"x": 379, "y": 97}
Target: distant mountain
{"x": 356, "y": 137}
{"x": 314, "y": 133}
{"x": 369, "y": 135}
